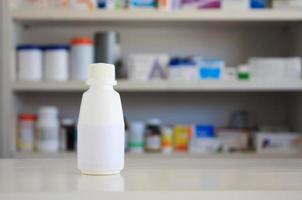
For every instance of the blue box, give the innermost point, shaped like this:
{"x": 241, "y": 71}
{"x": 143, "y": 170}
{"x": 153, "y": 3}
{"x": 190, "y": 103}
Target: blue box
{"x": 259, "y": 4}
{"x": 211, "y": 69}
{"x": 204, "y": 131}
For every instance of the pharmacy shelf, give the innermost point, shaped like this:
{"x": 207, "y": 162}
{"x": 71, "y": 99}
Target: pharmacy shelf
{"x": 165, "y": 86}
{"x": 37, "y": 155}
{"x": 27, "y": 15}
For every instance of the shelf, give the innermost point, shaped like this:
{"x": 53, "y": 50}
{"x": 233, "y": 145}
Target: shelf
{"x": 27, "y": 15}
{"x": 64, "y": 155}
{"x": 165, "y": 86}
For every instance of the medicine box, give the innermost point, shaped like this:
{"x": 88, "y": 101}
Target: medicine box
{"x": 183, "y": 69}
{"x": 287, "y": 4}
{"x": 181, "y": 137}
{"x": 146, "y": 67}
{"x": 149, "y": 4}
{"x": 211, "y": 69}
{"x": 200, "y": 4}
{"x": 235, "y": 4}
{"x": 286, "y": 142}
{"x": 233, "y": 140}
{"x": 275, "y": 68}
{"x": 259, "y": 4}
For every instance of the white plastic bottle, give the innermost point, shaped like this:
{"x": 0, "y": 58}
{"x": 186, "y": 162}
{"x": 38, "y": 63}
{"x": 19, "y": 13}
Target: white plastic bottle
{"x": 48, "y": 129}
{"x": 101, "y": 124}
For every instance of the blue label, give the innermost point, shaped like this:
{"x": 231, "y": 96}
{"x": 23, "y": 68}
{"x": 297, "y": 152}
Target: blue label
{"x": 209, "y": 73}
{"x": 203, "y": 131}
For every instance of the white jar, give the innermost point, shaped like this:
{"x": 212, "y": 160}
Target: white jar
{"x": 48, "y": 129}
{"x": 56, "y": 62}
{"x": 82, "y": 55}
{"x": 101, "y": 127}
{"x": 29, "y": 61}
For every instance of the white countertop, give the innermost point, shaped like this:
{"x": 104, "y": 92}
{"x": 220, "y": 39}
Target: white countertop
{"x": 173, "y": 176}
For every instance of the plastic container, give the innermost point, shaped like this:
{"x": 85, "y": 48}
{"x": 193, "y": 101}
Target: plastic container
{"x": 29, "y": 61}
{"x": 101, "y": 130}
{"x": 56, "y": 62}
{"x": 26, "y": 137}
{"x": 82, "y": 55}
{"x": 67, "y": 135}
{"x": 48, "y": 129}
{"x": 153, "y": 136}
{"x": 136, "y": 137}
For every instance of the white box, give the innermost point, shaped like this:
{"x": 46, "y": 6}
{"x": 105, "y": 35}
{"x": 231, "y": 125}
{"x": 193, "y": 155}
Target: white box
{"x": 236, "y": 4}
{"x": 183, "y": 73}
{"x": 233, "y": 139}
{"x": 144, "y": 67}
{"x": 268, "y": 142}
{"x": 275, "y": 68}
{"x": 287, "y": 4}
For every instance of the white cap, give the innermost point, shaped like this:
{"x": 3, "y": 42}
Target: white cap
{"x": 101, "y": 73}
{"x": 48, "y": 110}
{"x": 67, "y": 121}
{"x": 154, "y": 121}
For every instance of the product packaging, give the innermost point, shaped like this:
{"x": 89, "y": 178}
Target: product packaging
{"x": 26, "y": 132}
{"x": 183, "y": 69}
{"x": 259, "y": 4}
{"x": 101, "y": 127}
{"x": 282, "y": 142}
{"x": 275, "y": 68}
{"x": 83, "y": 4}
{"x": 233, "y": 140}
{"x": 235, "y": 4}
{"x": 56, "y": 60}
{"x": 145, "y": 4}
{"x": 182, "y": 135}
{"x": 211, "y": 69}
{"x": 146, "y": 67}
{"x": 136, "y": 137}
{"x": 200, "y": 4}
{"x": 167, "y": 139}
{"x": 287, "y": 4}
{"x": 29, "y": 61}
{"x": 204, "y": 140}
{"x": 81, "y": 55}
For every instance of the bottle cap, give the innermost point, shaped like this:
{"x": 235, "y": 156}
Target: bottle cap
{"x": 67, "y": 122}
{"x": 154, "y": 121}
{"x": 101, "y": 73}
{"x": 27, "y": 117}
{"x": 82, "y": 41}
{"x": 48, "y": 110}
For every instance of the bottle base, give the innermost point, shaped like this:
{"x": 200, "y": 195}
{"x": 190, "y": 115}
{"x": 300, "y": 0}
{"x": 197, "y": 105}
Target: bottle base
{"x": 99, "y": 172}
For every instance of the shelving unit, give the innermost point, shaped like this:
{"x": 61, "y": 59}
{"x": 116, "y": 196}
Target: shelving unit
{"x": 232, "y": 35}
{"x": 166, "y": 86}
{"x": 155, "y": 15}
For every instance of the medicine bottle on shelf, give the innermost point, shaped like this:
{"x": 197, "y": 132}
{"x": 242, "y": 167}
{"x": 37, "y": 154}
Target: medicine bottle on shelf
{"x": 101, "y": 132}
{"x": 48, "y": 127}
{"x": 153, "y": 136}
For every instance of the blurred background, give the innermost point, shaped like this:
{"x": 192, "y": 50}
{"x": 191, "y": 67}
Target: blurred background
{"x": 196, "y": 77}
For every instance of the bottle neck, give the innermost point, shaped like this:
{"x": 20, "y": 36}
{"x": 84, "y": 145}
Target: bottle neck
{"x": 101, "y": 87}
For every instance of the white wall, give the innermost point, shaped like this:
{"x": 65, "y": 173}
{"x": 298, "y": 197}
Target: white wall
{"x": 1, "y": 79}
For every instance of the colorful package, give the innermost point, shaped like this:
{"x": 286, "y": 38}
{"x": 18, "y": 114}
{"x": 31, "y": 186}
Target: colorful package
{"x": 259, "y": 4}
{"x": 200, "y": 4}
{"x": 146, "y": 67}
{"x": 83, "y": 4}
{"x": 142, "y": 3}
{"x": 211, "y": 69}
{"x": 182, "y": 135}
{"x": 183, "y": 69}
